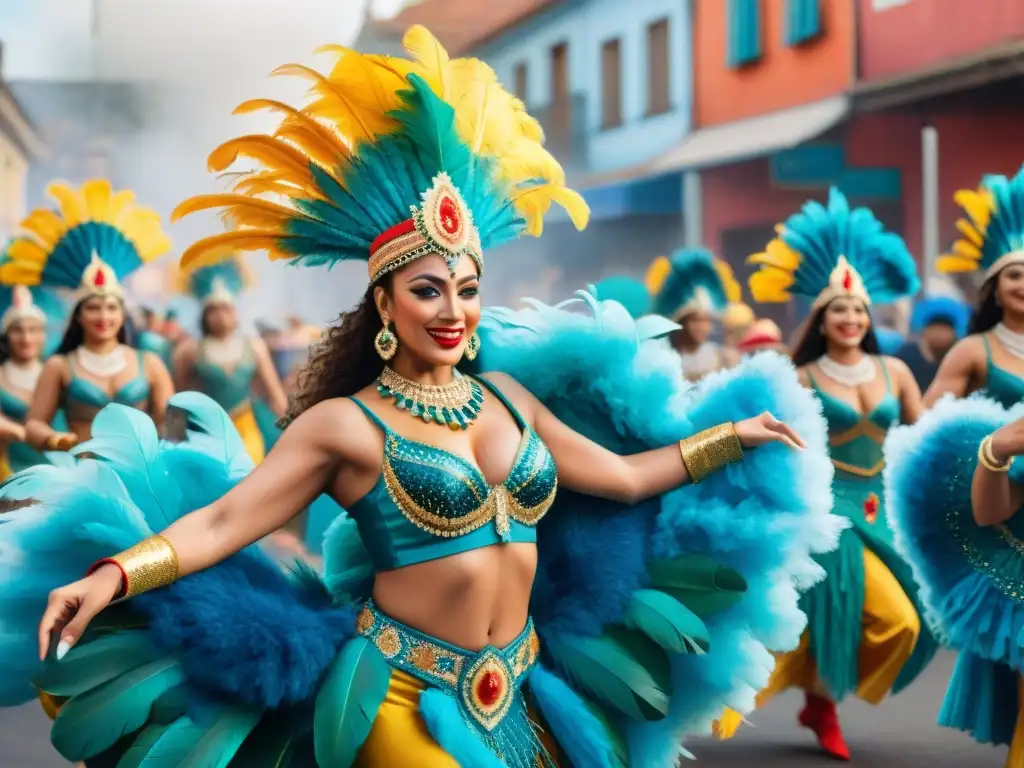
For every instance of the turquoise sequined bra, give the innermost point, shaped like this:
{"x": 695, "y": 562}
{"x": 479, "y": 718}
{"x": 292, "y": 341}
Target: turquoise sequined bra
{"x": 1004, "y": 387}
{"x": 429, "y": 503}
{"x": 83, "y": 399}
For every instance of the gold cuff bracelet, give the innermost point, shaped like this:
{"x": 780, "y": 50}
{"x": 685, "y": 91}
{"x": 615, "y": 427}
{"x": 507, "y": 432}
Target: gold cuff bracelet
{"x": 150, "y": 564}
{"x": 710, "y": 450}
{"x": 988, "y": 460}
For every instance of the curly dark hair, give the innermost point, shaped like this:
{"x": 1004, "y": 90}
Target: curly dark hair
{"x": 344, "y": 361}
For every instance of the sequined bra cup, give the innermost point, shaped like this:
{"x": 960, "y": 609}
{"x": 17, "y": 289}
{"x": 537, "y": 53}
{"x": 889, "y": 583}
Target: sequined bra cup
{"x": 1004, "y": 387}
{"x": 83, "y": 399}
{"x": 429, "y": 503}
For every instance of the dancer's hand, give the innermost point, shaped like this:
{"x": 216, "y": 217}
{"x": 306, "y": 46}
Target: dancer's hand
{"x": 71, "y": 608}
{"x": 61, "y": 441}
{"x": 1008, "y": 441}
{"x": 767, "y": 429}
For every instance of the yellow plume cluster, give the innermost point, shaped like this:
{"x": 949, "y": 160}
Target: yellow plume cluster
{"x": 778, "y": 264}
{"x": 978, "y": 205}
{"x": 43, "y": 229}
{"x": 733, "y": 291}
{"x": 657, "y": 274}
{"x": 351, "y": 106}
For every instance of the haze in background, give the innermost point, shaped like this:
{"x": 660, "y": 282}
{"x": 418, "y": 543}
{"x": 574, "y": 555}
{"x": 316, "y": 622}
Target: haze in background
{"x": 185, "y": 65}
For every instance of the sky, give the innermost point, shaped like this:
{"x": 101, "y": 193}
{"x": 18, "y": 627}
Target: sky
{"x": 202, "y": 57}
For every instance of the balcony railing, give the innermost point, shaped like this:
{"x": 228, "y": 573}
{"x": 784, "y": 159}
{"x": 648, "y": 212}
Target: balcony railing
{"x": 565, "y": 127}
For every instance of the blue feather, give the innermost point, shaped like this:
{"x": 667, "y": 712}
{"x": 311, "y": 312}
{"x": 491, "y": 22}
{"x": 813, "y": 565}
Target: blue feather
{"x": 74, "y": 252}
{"x": 667, "y": 622}
{"x": 627, "y": 291}
{"x": 228, "y": 275}
{"x": 1005, "y": 231}
{"x": 576, "y": 730}
{"x": 448, "y": 726}
{"x": 693, "y": 270}
{"x": 205, "y": 417}
{"x": 90, "y": 664}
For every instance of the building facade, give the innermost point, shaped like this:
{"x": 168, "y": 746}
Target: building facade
{"x": 20, "y": 144}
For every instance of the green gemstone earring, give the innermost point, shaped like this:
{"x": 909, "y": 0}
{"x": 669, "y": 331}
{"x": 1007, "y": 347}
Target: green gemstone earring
{"x": 386, "y": 342}
{"x": 473, "y": 347}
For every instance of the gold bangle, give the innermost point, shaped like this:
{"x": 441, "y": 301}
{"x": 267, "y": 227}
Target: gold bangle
{"x": 710, "y": 450}
{"x": 150, "y": 564}
{"x": 988, "y": 460}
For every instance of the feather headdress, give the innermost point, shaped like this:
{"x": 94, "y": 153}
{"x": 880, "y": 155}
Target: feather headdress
{"x": 823, "y": 253}
{"x": 992, "y": 230}
{"x": 92, "y": 242}
{"x": 390, "y": 160}
{"x": 219, "y": 283}
{"x": 691, "y": 280}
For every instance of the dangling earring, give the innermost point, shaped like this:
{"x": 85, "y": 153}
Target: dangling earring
{"x": 473, "y": 347}
{"x": 386, "y": 342}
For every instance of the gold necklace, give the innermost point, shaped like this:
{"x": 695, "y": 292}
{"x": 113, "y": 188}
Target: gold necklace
{"x": 455, "y": 404}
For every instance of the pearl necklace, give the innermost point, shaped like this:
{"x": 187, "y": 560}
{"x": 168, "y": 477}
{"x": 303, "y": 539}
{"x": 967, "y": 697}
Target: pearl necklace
{"x": 1011, "y": 341}
{"x": 103, "y": 365}
{"x": 861, "y": 372}
{"x": 23, "y": 377}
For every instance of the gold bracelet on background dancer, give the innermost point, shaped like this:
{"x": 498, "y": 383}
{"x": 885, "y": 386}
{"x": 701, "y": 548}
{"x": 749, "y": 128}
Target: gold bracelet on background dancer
{"x": 988, "y": 459}
{"x": 150, "y": 564}
{"x": 710, "y": 450}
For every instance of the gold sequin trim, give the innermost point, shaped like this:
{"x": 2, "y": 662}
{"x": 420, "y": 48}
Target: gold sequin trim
{"x": 150, "y": 564}
{"x": 865, "y": 428}
{"x": 853, "y": 469}
{"x": 364, "y": 621}
{"x": 388, "y": 642}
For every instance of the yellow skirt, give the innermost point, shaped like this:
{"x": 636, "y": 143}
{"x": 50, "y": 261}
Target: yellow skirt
{"x": 245, "y": 422}
{"x": 891, "y": 627}
{"x": 1016, "y": 757}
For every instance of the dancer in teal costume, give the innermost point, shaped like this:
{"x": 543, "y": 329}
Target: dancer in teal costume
{"x": 620, "y": 658}
{"x": 864, "y": 634}
{"x": 966, "y": 548}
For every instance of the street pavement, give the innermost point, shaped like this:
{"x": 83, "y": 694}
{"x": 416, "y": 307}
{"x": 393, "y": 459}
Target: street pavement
{"x": 899, "y": 734}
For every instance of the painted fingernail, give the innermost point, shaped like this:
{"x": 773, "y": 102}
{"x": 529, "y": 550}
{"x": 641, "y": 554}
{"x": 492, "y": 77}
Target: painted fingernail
{"x": 63, "y": 647}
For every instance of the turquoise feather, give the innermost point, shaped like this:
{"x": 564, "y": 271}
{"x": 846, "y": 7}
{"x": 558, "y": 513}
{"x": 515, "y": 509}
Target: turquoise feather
{"x": 271, "y": 746}
{"x": 347, "y": 702}
{"x": 693, "y": 270}
{"x": 207, "y": 419}
{"x": 606, "y": 670}
{"x": 170, "y": 706}
{"x": 211, "y": 744}
{"x": 90, "y": 723}
{"x": 135, "y": 755}
{"x": 91, "y": 664}
{"x": 126, "y": 439}
{"x": 228, "y": 274}
{"x": 667, "y": 622}
{"x": 699, "y": 582}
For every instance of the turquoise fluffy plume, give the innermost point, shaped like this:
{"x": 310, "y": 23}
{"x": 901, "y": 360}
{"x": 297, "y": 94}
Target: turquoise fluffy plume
{"x": 229, "y": 275}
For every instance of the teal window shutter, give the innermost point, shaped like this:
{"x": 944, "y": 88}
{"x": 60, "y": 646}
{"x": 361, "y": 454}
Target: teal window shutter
{"x": 803, "y": 21}
{"x": 744, "y": 32}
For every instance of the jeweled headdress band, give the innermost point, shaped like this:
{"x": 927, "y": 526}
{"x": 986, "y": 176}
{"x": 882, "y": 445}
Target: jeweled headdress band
{"x": 443, "y": 225}
{"x": 98, "y": 279}
{"x": 844, "y": 282}
{"x": 22, "y": 308}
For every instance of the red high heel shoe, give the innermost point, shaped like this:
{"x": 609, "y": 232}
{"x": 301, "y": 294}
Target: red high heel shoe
{"x": 820, "y": 716}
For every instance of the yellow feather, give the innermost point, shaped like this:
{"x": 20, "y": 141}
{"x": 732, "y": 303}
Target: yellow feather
{"x": 523, "y": 160}
{"x": 952, "y": 263}
{"x": 533, "y": 203}
{"x": 657, "y": 274}
{"x": 46, "y": 226}
{"x": 12, "y": 273}
{"x": 121, "y": 205}
{"x": 27, "y": 253}
{"x": 243, "y": 211}
{"x": 770, "y": 285}
{"x": 777, "y": 254}
{"x": 432, "y": 57}
{"x": 969, "y": 231}
{"x": 72, "y": 207}
{"x": 978, "y": 204}
{"x": 216, "y": 248}
{"x": 273, "y": 153}
{"x": 97, "y": 193}
{"x": 330, "y": 144}
{"x": 350, "y": 113}
{"x": 733, "y": 291}
{"x": 967, "y": 250}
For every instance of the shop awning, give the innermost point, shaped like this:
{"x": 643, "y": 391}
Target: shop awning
{"x": 752, "y": 137}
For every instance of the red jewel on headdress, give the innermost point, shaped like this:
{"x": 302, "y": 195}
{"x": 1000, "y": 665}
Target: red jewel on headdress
{"x": 449, "y": 214}
{"x": 489, "y": 687}
{"x": 847, "y": 281}
{"x": 100, "y": 279}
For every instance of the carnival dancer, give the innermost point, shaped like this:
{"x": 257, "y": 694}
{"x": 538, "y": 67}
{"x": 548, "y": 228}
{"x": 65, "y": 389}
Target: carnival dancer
{"x": 28, "y": 318}
{"x": 418, "y": 646}
{"x": 150, "y": 338}
{"x": 963, "y": 532}
{"x": 692, "y": 288}
{"x": 225, "y": 363}
{"x": 991, "y": 358}
{"x": 864, "y": 632}
{"x": 95, "y": 239}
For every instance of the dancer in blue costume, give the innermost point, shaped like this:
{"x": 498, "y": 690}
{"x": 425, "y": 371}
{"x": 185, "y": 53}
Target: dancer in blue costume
{"x": 95, "y": 239}
{"x": 991, "y": 358}
{"x": 963, "y": 535}
{"x": 463, "y": 601}
{"x": 28, "y": 318}
{"x": 225, "y": 363}
{"x": 864, "y": 635}
{"x": 149, "y": 338}
{"x": 693, "y": 288}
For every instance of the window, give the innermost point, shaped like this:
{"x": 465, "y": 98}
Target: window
{"x": 520, "y": 81}
{"x": 803, "y": 21}
{"x": 611, "y": 84}
{"x": 560, "y": 107}
{"x": 744, "y": 32}
{"x": 658, "y": 99}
